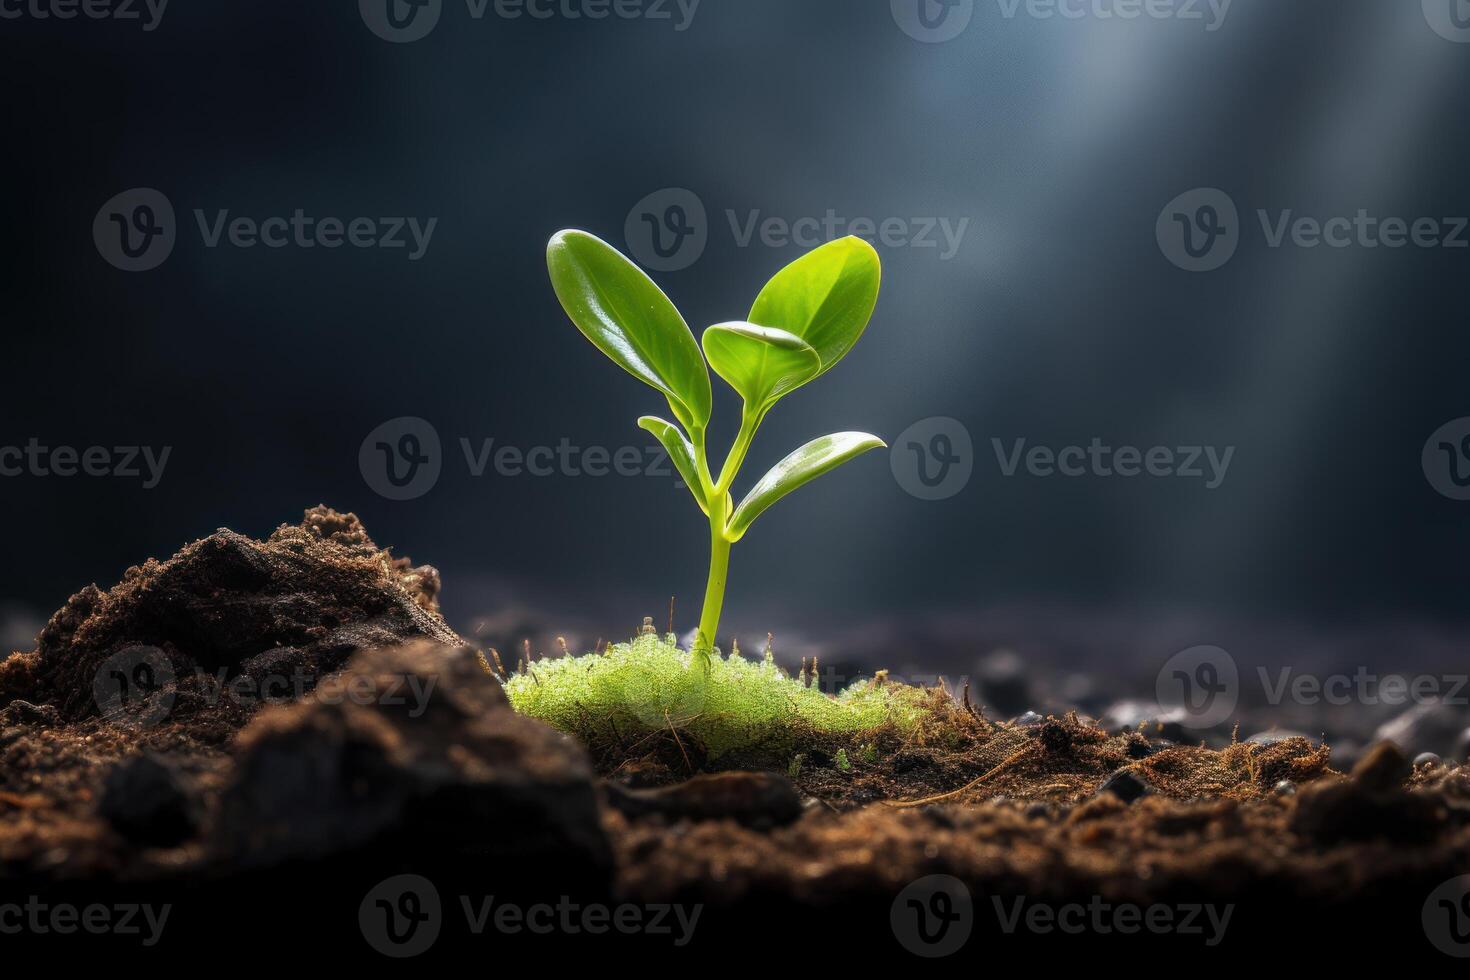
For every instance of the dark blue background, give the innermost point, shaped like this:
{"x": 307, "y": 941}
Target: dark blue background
{"x": 1059, "y": 320}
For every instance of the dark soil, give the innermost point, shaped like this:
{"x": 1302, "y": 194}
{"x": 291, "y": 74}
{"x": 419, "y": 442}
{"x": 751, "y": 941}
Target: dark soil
{"x": 394, "y": 749}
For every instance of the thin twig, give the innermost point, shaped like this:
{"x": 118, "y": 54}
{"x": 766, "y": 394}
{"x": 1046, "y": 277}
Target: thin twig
{"x": 1012, "y": 758}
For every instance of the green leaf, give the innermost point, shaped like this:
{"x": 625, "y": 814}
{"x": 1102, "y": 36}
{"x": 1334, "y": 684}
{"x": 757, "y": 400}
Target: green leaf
{"x": 761, "y": 363}
{"x": 628, "y": 318}
{"x": 681, "y": 452}
{"x": 799, "y": 469}
{"x": 826, "y": 297}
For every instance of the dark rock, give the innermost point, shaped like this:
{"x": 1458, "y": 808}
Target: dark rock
{"x": 321, "y": 588}
{"x": 148, "y": 800}
{"x": 20, "y": 712}
{"x": 1125, "y": 785}
{"x": 760, "y": 800}
{"x": 1428, "y": 727}
{"x": 1003, "y": 684}
{"x": 1139, "y": 747}
{"x": 412, "y": 749}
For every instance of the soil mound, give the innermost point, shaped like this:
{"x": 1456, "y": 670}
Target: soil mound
{"x": 290, "y": 609}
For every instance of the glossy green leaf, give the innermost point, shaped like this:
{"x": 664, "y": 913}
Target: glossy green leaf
{"x": 826, "y": 297}
{"x": 681, "y": 452}
{"x": 622, "y": 311}
{"x": 761, "y": 363}
{"x": 796, "y": 470}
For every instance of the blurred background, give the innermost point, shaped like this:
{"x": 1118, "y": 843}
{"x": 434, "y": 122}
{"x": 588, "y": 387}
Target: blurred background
{"x": 1089, "y": 214}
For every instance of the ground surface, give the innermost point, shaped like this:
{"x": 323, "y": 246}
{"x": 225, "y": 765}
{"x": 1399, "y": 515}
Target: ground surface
{"x": 294, "y": 717}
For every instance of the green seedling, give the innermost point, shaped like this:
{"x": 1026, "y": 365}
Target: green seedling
{"x": 803, "y": 322}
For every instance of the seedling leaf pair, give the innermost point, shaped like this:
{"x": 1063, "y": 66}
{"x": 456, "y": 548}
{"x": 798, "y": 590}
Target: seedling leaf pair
{"x": 803, "y": 322}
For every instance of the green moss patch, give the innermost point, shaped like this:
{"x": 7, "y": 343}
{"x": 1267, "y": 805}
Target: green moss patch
{"x": 649, "y": 685}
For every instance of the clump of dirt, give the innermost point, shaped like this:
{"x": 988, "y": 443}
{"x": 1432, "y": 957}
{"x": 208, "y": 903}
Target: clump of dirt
{"x": 291, "y": 608}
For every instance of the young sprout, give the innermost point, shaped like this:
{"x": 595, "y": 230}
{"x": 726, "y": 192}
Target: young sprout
{"x": 803, "y": 322}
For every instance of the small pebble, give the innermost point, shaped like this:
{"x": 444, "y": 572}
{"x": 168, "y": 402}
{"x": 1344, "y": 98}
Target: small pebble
{"x": 1125, "y": 786}
{"x": 1285, "y": 788}
{"x": 1427, "y": 759}
{"x": 1030, "y": 718}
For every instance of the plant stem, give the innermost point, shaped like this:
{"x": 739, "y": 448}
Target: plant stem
{"x": 714, "y": 593}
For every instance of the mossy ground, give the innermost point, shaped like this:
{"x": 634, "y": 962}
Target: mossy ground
{"x": 637, "y": 690}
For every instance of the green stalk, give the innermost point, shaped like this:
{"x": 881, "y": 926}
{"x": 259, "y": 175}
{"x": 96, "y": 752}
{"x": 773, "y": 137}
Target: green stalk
{"x": 718, "y": 497}
{"x": 714, "y": 592}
